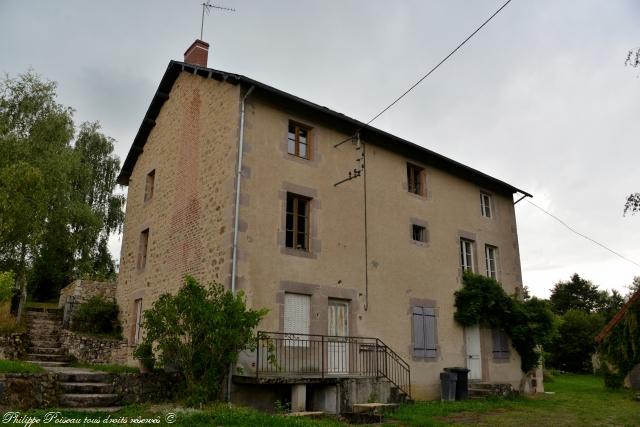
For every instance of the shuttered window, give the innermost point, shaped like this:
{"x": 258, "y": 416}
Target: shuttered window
{"x": 296, "y": 318}
{"x": 500, "y": 344}
{"x": 138, "y": 324}
{"x": 424, "y": 332}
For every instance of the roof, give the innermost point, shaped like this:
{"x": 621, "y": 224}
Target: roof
{"x": 617, "y": 318}
{"x": 368, "y": 133}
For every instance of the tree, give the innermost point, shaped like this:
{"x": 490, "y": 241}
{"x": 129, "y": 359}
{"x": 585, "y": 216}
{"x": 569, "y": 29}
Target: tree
{"x": 199, "y": 331}
{"x": 577, "y": 293}
{"x": 574, "y": 345}
{"x": 633, "y": 287}
{"x": 57, "y": 201}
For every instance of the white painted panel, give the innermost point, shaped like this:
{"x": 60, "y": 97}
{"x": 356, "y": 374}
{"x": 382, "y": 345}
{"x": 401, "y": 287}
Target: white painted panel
{"x": 474, "y": 358}
{"x": 296, "y": 313}
{"x": 337, "y": 348}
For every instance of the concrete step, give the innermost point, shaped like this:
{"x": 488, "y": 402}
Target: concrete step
{"x": 46, "y": 350}
{"x": 82, "y": 376}
{"x": 75, "y": 400}
{"x": 48, "y": 364}
{"x": 47, "y": 357}
{"x": 87, "y": 388}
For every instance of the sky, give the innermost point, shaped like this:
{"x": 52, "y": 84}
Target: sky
{"x": 539, "y": 98}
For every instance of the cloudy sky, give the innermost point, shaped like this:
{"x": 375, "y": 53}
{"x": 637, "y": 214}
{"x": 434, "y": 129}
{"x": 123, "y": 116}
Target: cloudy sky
{"x": 539, "y": 98}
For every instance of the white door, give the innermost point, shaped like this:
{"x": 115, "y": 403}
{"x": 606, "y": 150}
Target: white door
{"x": 337, "y": 347}
{"x": 474, "y": 358}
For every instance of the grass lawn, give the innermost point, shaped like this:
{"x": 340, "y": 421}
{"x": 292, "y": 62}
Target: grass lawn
{"x": 578, "y": 400}
{"x": 19, "y": 367}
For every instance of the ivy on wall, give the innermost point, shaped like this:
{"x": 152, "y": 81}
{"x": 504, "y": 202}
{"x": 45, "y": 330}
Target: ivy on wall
{"x": 621, "y": 348}
{"x": 529, "y": 323}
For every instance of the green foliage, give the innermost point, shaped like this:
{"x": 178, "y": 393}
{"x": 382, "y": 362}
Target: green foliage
{"x": 97, "y": 316}
{"x": 200, "y": 332}
{"x": 612, "y": 379}
{"x": 7, "y": 283}
{"x": 574, "y": 345}
{"x": 577, "y": 293}
{"x": 529, "y": 323}
{"x": 57, "y": 206}
{"x": 621, "y": 348}
{"x": 144, "y": 353}
{"x": 19, "y": 367}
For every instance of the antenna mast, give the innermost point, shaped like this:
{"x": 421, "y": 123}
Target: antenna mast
{"x": 206, "y": 7}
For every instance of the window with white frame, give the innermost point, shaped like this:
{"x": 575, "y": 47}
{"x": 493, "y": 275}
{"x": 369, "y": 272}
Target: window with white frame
{"x": 466, "y": 255}
{"x": 485, "y": 205}
{"x": 491, "y": 257}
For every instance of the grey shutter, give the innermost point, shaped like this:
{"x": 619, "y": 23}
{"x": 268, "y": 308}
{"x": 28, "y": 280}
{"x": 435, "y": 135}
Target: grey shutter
{"x": 430, "y": 332}
{"x": 419, "y": 348}
{"x": 500, "y": 344}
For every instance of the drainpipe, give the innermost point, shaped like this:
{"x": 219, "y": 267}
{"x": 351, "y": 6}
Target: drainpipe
{"x": 236, "y": 219}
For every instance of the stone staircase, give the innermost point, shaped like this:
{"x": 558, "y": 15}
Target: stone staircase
{"x": 484, "y": 390}
{"x": 87, "y": 389}
{"x": 81, "y": 388}
{"x": 43, "y": 330}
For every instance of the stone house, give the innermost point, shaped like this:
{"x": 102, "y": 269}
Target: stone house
{"x": 234, "y": 181}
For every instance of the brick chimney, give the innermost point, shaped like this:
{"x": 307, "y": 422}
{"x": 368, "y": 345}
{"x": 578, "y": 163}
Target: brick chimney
{"x": 197, "y": 54}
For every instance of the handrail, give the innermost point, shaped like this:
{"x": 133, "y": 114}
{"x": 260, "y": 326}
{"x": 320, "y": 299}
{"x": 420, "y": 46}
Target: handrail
{"x": 282, "y": 354}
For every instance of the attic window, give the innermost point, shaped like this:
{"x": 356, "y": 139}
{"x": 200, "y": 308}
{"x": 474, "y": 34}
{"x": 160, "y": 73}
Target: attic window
{"x": 418, "y": 233}
{"x": 298, "y": 140}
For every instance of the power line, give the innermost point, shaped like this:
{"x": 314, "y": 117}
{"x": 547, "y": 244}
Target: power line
{"x": 440, "y": 63}
{"x": 582, "y": 235}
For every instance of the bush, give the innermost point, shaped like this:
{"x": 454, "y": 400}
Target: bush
{"x": 97, "y": 316}
{"x": 612, "y": 380}
{"x": 573, "y": 347}
{"x": 529, "y": 324}
{"x": 7, "y": 280}
{"x": 200, "y": 332}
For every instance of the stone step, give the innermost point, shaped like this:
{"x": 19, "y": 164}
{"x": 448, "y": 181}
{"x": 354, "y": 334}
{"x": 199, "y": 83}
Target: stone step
{"x": 75, "y": 400}
{"x": 480, "y": 392}
{"x": 49, "y": 364}
{"x": 87, "y": 388}
{"x": 47, "y": 357}
{"x": 43, "y": 315}
{"x": 43, "y": 334}
{"x": 47, "y": 343}
{"x": 108, "y": 409}
{"x": 46, "y": 350}
{"x": 82, "y": 376}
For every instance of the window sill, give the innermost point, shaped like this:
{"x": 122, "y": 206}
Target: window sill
{"x": 419, "y": 243}
{"x": 298, "y": 253}
{"x": 417, "y": 196}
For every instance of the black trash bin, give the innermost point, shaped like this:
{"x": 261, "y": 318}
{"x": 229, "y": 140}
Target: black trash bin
{"x": 462, "y": 383}
{"x": 448, "y": 386}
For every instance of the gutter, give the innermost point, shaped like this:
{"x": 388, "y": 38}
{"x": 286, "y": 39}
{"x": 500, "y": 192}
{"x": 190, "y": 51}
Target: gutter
{"x": 236, "y": 219}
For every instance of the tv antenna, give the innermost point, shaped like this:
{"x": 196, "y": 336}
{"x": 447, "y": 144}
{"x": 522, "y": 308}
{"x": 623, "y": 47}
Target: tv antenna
{"x": 206, "y": 7}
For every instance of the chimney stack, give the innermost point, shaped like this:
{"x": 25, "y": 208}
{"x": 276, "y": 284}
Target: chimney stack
{"x": 197, "y": 54}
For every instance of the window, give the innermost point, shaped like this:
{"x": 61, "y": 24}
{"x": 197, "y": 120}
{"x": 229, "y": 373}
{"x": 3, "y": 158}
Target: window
{"x": 297, "y": 222}
{"x": 298, "y": 141}
{"x": 148, "y": 189}
{"x": 485, "y": 205}
{"x": 142, "y": 249}
{"x": 466, "y": 255}
{"x": 500, "y": 344}
{"x": 418, "y": 233}
{"x": 138, "y": 323}
{"x": 491, "y": 256}
{"x": 415, "y": 179}
{"x": 296, "y": 319}
{"x": 424, "y": 332}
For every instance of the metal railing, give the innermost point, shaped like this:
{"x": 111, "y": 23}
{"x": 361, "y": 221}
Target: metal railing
{"x": 280, "y": 354}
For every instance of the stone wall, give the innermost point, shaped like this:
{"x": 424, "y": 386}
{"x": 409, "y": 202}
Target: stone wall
{"x": 92, "y": 349}
{"x": 150, "y": 387}
{"x": 83, "y": 290}
{"x": 13, "y": 346}
{"x": 28, "y": 391}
